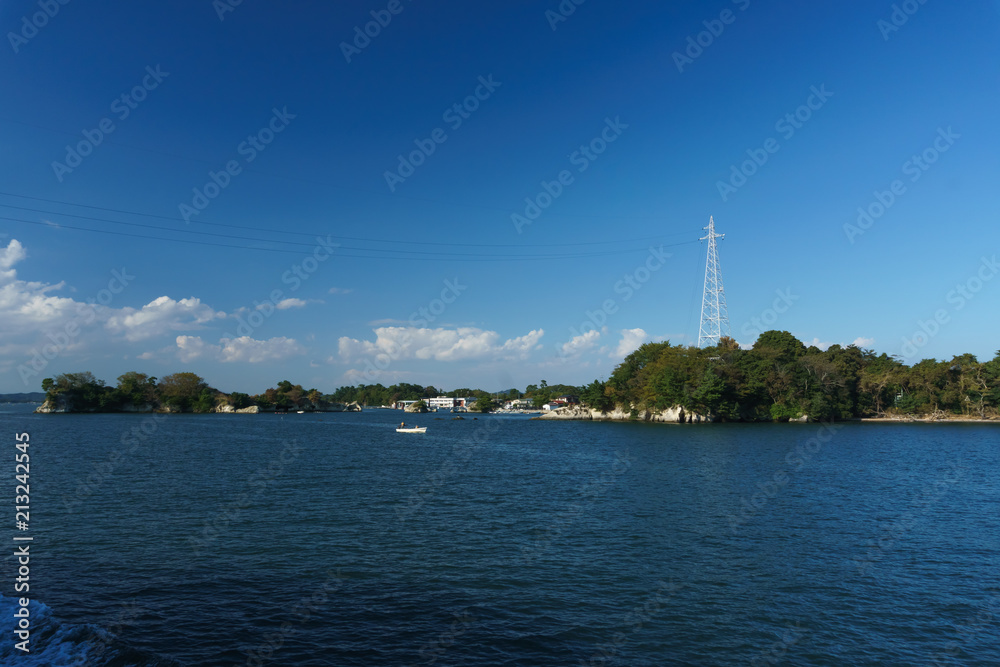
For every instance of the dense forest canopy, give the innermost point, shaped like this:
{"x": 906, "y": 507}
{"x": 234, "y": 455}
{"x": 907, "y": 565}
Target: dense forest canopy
{"x": 778, "y": 379}
{"x": 187, "y": 392}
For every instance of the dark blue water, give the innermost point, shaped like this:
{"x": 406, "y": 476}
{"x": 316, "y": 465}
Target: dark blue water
{"x": 333, "y": 540}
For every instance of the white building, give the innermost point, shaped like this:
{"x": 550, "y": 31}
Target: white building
{"x": 439, "y": 402}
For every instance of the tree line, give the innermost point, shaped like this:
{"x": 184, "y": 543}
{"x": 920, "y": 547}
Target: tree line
{"x": 780, "y": 378}
{"x": 376, "y": 394}
{"x": 188, "y": 392}
{"x": 183, "y": 392}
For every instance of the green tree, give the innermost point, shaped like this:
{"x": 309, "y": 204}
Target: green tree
{"x": 81, "y": 392}
{"x": 205, "y": 401}
{"x": 181, "y": 390}
{"x": 136, "y": 389}
{"x": 596, "y": 396}
{"x": 779, "y": 346}
{"x": 239, "y": 400}
{"x": 709, "y": 396}
{"x": 880, "y": 381}
{"x": 485, "y": 404}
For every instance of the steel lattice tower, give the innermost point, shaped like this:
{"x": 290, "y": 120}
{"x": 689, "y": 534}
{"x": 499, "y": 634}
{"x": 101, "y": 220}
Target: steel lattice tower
{"x": 714, "y": 313}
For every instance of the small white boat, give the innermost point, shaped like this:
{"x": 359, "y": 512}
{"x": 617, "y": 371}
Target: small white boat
{"x": 413, "y": 429}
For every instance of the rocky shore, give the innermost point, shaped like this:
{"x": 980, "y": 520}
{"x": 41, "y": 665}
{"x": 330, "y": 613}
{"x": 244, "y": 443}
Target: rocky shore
{"x": 60, "y": 407}
{"x": 674, "y": 415}
{"x": 677, "y": 415}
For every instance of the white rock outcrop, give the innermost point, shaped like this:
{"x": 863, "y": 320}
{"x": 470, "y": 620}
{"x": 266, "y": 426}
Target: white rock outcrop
{"x": 672, "y": 415}
{"x": 48, "y": 407}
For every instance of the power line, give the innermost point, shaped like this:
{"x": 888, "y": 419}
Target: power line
{"x": 324, "y": 184}
{"x": 460, "y": 258}
{"x": 290, "y": 233}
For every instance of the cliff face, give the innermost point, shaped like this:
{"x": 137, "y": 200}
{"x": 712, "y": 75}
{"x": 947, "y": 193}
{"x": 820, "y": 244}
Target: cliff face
{"x": 416, "y": 408}
{"x": 672, "y": 415}
{"x": 228, "y": 409}
{"x": 50, "y": 407}
{"x": 323, "y": 406}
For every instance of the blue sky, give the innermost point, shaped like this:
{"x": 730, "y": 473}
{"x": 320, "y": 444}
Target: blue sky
{"x": 309, "y": 263}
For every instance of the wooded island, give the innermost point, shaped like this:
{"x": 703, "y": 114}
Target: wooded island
{"x": 778, "y": 379}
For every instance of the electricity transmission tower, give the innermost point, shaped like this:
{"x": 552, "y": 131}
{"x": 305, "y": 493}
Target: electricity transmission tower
{"x": 714, "y": 313}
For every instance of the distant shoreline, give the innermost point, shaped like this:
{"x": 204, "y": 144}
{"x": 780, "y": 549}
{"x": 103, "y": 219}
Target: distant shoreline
{"x": 929, "y": 420}
{"x": 677, "y": 415}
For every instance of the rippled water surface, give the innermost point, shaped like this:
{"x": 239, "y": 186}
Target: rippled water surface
{"x": 333, "y": 540}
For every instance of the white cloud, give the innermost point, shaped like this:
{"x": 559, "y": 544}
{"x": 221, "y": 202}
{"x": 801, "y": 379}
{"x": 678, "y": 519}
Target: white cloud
{"x": 26, "y": 305}
{"x": 190, "y": 348}
{"x": 439, "y": 344}
{"x": 630, "y": 342}
{"x": 389, "y": 376}
{"x": 243, "y": 349}
{"x": 822, "y": 345}
{"x": 26, "y": 308}
{"x": 9, "y": 256}
{"x": 339, "y": 290}
{"x": 521, "y": 346}
{"x": 285, "y": 304}
{"x": 34, "y": 322}
{"x": 863, "y": 342}
{"x": 581, "y": 343}
{"x": 161, "y": 316}
{"x": 255, "y": 351}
